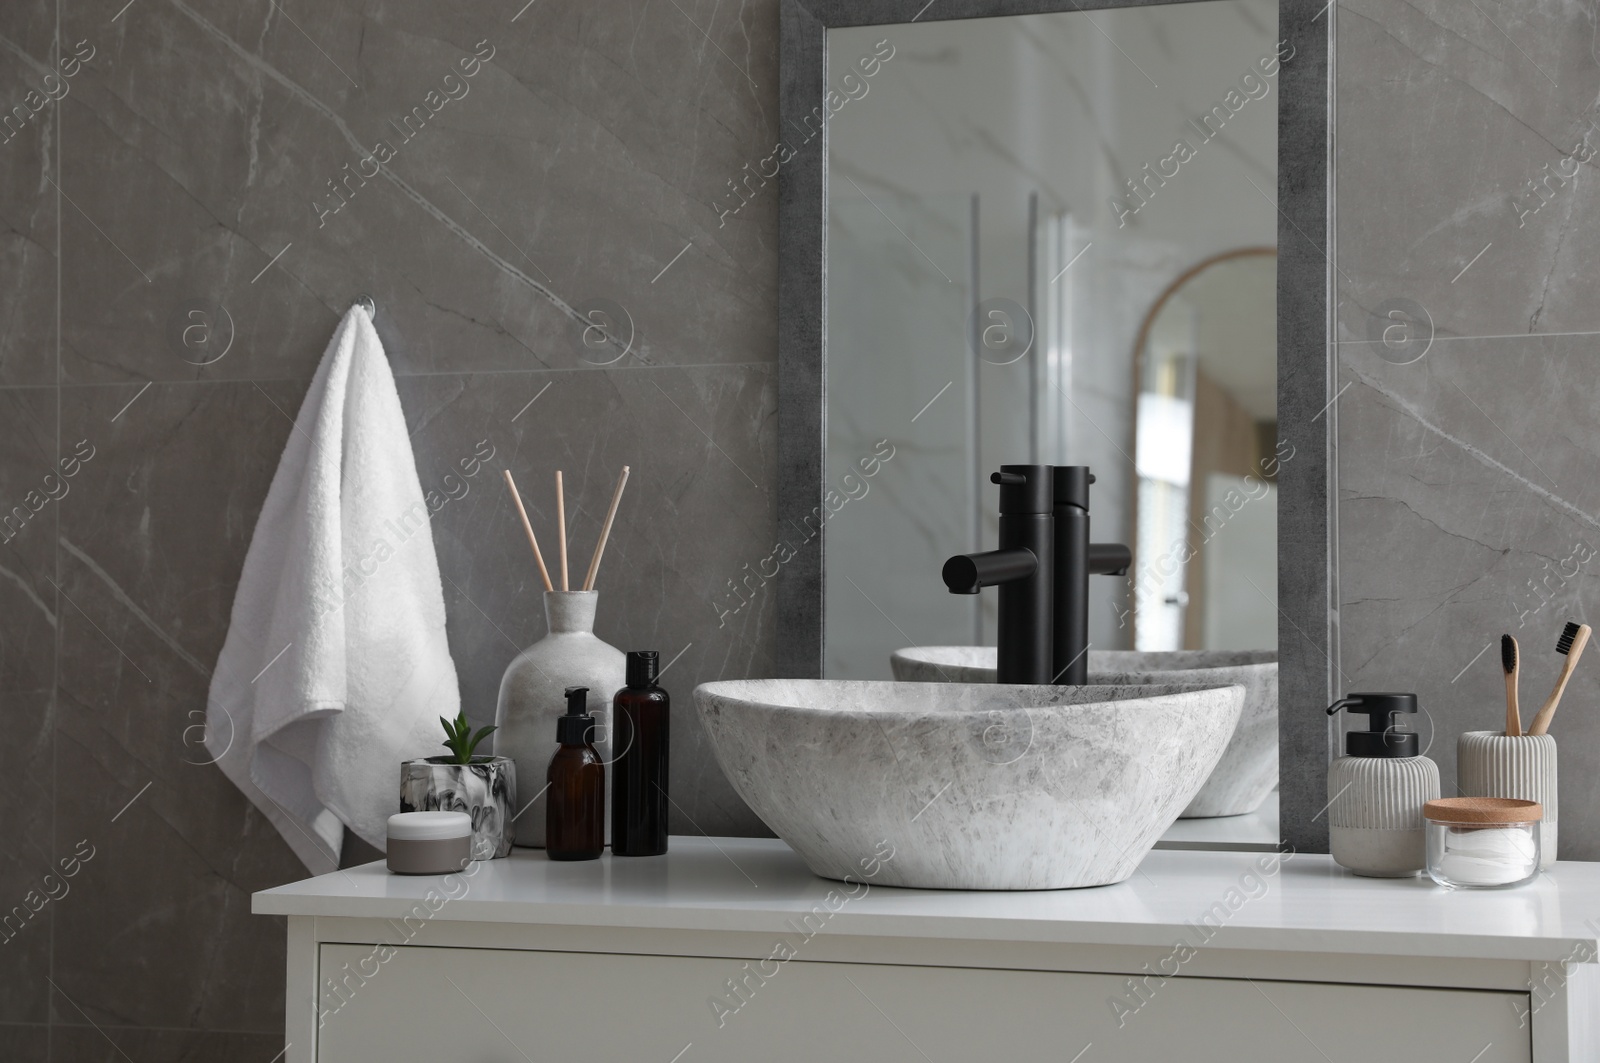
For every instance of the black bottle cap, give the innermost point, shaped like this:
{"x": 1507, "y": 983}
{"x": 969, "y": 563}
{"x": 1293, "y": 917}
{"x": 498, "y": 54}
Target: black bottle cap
{"x": 576, "y": 728}
{"x": 642, "y": 668}
{"x": 1023, "y": 488}
{"x": 1382, "y": 738}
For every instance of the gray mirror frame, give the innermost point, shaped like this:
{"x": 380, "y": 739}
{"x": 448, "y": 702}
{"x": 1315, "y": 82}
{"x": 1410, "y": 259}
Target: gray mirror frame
{"x": 1307, "y": 561}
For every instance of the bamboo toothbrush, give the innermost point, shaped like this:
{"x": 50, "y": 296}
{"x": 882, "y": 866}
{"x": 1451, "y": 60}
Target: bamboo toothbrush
{"x": 605, "y": 532}
{"x": 561, "y": 519}
{"x": 1574, "y": 637}
{"x": 527, "y": 526}
{"x": 1508, "y": 661}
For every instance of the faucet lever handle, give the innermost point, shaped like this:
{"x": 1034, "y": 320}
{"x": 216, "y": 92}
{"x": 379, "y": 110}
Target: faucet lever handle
{"x": 1008, "y": 479}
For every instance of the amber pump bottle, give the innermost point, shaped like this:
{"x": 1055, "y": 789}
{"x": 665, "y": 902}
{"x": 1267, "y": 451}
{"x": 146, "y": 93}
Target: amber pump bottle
{"x": 575, "y": 810}
{"x": 641, "y": 717}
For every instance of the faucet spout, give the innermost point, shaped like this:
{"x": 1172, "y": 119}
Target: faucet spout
{"x": 970, "y": 573}
{"x": 1109, "y": 559}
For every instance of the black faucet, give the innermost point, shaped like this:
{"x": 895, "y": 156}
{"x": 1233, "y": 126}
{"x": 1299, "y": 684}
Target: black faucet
{"x": 1042, "y": 569}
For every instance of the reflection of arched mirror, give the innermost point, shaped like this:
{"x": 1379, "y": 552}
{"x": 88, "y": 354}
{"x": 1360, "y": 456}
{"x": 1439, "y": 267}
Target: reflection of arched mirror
{"x": 1206, "y": 509}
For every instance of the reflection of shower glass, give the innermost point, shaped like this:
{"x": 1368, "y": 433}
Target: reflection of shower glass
{"x": 1059, "y": 241}
{"x": 1164, "y": 454}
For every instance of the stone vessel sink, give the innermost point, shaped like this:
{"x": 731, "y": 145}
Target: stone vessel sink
{"x": 969, "y": 787}
{"x": 1248, "y": 770}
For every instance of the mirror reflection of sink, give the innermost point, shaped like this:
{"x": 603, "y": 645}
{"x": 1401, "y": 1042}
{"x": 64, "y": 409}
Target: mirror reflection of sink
{"x": 969, "y": 786}
{"x": 1247, "y": 771}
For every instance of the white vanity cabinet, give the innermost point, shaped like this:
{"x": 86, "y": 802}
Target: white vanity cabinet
{"x": 728, "y": 949}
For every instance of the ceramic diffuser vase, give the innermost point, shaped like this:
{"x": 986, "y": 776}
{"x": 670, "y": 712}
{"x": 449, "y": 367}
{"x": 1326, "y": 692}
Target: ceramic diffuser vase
{"x": 532, "y": 698}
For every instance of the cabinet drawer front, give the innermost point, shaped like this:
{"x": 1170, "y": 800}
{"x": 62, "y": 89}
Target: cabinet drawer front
{"x": 505, "y": 1006}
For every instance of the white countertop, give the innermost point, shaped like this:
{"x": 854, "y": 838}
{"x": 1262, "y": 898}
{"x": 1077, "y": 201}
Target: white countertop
{"x": 1308, "y": 904}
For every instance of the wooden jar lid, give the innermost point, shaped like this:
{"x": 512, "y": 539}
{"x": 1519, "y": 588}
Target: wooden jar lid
{"x": 1483, "y": 810}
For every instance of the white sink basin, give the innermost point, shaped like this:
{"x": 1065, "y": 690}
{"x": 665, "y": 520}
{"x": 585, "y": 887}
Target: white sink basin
{"x": 969, "y": 786}
{"x": 1247, "y": 770}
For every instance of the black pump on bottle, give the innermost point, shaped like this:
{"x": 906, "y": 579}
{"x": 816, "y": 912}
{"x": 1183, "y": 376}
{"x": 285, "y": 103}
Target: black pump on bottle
{"x": 1383, "y": 737}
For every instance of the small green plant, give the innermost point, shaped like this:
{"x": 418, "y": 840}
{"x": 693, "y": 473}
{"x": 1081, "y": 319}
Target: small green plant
{"x": 460, "y": 740}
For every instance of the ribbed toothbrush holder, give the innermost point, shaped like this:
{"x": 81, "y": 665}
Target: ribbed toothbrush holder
{"x": 1491, "y": 764}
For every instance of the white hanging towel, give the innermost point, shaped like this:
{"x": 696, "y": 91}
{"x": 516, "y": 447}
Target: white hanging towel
{"x": 336, "y": 667}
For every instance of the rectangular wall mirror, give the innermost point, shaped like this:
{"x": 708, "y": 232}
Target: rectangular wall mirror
{"x": 1062, "y": 234}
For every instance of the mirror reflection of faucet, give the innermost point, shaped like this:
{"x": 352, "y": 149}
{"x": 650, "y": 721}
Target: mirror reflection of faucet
{"x": 1042, "y": 569}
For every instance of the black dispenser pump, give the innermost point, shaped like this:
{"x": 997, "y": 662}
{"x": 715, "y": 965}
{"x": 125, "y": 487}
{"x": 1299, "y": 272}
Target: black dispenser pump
{"x": 1382, "y": 738}
{"x": 576, "y": 728}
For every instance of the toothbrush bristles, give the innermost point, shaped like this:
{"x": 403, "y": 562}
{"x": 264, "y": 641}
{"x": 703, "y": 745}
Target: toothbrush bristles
{"x": 1508, "y": 653}
{"x": 1568, "y": 633}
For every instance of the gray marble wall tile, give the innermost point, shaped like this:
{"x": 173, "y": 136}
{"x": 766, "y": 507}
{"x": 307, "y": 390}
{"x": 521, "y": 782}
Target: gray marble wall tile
{"x": 149, "y": 561}
{"x": 28, "y": 206}
{"x": 1446, "y": 113}
{"x": 496, "y": 223}
{"x": 25, "y": 1044}
{"x": 29, "y": 899}
{"x": 32, "y": 494}
{"x": 1467, "y": 510}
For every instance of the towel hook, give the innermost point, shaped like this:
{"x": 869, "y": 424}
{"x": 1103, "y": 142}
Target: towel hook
{"x": 367, "y": 303}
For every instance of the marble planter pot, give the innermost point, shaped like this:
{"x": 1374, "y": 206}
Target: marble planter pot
{"x": 532, "y": 698}
{"x": 486, "y": 790}
{"x": 1492, "y": 764}
{"x": 1248, "y": 770}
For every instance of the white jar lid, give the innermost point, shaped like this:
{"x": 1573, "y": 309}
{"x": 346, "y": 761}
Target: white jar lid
{"x": 429, "y": 826}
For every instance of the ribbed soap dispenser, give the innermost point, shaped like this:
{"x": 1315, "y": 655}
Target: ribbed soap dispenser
{"x": 1377, "y": 790}
{"x": 575, "y": 814}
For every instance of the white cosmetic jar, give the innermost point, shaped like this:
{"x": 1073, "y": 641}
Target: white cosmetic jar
{"x": 429, "y": 843}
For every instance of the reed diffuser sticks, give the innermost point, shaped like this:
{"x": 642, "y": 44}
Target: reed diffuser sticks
{"x": 561, "y": 520}
{"x": 605, "y": 532}
{"x": 527, "y": 526}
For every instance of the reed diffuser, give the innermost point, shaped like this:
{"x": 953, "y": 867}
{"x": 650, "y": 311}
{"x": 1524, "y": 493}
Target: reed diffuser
{"x": 532, "y": 691}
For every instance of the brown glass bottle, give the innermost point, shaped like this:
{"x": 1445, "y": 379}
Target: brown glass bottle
{"x": 640, "y": 715}
{"x": 575, "y": 808}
